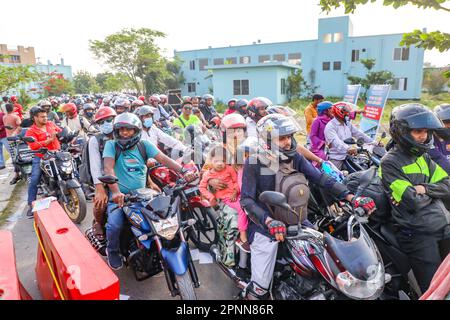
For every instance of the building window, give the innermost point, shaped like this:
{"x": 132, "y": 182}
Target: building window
{"x": 231, "y": 60}
{"x": 295, "y": 58}
{"x": 264, "y": 58}
{"x": 337, "y": 65}
{"x": 202, "y": 64}
{"x": 279, "y": 57}
{"x": 355, "y": 55}
{"x": 325, "y": 66}
{"x": 240, "y": 87}
{"x": 218, "y": 61}
{"x": 338, "y": 37}
{"x": 14, "y": 59}
{"x": 192, "y": 65}
{"x": 401, "y": 54}
{"x": 327, "y": 38}
{"x": 283, "y": 86}
{"x": 400, "y": 84}
{"x": 245, "y": 60}
{"x": 191, "y": 87}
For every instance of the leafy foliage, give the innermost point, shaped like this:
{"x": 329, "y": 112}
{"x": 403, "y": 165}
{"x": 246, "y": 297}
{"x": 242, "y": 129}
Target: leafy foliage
{"x": 11, "y": 77}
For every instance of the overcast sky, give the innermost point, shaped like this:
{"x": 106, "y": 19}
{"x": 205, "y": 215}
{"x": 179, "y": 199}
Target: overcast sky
{"x": 63, "y": 28}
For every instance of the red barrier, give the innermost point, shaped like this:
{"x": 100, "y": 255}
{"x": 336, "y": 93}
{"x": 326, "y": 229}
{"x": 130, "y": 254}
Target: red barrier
{"x": 10, "y": 286}
{"x": 79, "y": 273}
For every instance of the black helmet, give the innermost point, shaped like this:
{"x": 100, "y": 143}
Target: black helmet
{"x": 34, "y": 111}
{"x": 410, "y": 116}
{"x": 278, "y": 125}
{"x": 443, "y": 113}
{"x": 127, "y": 120}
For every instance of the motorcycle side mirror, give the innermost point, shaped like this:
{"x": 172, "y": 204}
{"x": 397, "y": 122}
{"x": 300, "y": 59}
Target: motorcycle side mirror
{"x": 349, "y": 141}
{"x": 108, "y": 179}
{"x": 273, "y": 198}
{"x": 12, "y": 138}
{"x": 383, "y": 135}
{"x": 29, "y": 139}
{"x": 43, "y": 150}
{"x": 9, "y": 127}
{"x": 360, "y": 142}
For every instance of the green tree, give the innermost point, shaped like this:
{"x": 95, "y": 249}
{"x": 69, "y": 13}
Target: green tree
{"x": 132, "y": 52}
{"x": 175, "y": 76}
{"x": 100, "y": 78}
{"x": 372, "y": 77}
{"x": 294, "y": 84}
{"x": 12, "y": 77}
{"x": 84, "y": 82}
{"x": 427, "y": 40}
{"x": 434, "y": 80}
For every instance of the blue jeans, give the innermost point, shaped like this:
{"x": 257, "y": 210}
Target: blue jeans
{"x": 3, "y": 142}
{"x": 116, "y": 219}
{"x": 36, "y": 173}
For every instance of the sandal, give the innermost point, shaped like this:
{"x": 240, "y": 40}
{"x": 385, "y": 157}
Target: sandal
{"x": 98, "y": 231}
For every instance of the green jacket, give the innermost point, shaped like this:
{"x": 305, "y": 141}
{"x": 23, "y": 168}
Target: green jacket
{"x": 424, "y": 213}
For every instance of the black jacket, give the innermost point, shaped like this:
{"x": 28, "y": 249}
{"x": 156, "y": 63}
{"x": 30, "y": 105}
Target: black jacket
{"x": 422, "y": 213}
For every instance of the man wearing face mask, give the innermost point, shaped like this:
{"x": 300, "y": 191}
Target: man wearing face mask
{"x": 256, "y": 110}
{"x": 339, "y": 129}
{"x": 104, "y": 119}
{"x": 155, "y": 135}
{"x": 89, "y": 112}
{"x": 76, "y": 122}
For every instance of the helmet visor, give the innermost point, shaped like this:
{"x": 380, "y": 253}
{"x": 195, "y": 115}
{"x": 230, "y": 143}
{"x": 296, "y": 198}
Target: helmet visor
{"x": 425, "y": 120}
{"x": 444, "y": 114}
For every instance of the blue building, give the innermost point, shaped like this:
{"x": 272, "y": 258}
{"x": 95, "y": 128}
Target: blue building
{"x": 262, "y": 69}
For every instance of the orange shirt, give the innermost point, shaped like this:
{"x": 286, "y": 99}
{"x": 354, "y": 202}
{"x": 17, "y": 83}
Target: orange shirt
{"x": 13, "y": 120}
{"x": 228, "y": 176}
{"x": 310, "y": 115}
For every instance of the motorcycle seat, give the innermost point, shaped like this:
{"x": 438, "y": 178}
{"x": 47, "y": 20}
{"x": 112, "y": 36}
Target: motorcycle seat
{"x": 388, "y": 233}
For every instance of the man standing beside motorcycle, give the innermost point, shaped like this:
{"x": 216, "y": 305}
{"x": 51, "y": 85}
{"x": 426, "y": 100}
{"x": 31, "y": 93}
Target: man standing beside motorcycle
{"x": 122, "y": 158}
{"x": 417, "y": 187}
{"x": 278, "y": 146}
{"x": 338, "y": 129}
{"x": 45, "y": 134}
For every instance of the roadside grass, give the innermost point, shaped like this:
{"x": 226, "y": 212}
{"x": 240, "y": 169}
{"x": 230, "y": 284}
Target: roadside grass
{"x": 13, "y": 202}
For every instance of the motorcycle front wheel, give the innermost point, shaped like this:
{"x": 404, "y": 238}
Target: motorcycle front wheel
{"x": 76, "y": 205}
{"x": 204, "y": 232}
{"x": 185, "y": 287}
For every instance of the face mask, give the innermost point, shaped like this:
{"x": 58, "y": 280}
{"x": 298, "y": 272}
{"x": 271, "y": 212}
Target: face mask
{"x": 346, "y": 119}
{"x": 89, "y": 114}
{"x": 106, "y": 127}
{"x": 148, "y": 122}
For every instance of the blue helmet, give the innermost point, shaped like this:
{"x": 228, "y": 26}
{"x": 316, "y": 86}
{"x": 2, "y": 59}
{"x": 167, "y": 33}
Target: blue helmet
{"x": 323, "y": 106}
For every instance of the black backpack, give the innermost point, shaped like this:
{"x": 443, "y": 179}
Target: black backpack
{"x": 85, "y": 168}
{"x": 141, "y": 148}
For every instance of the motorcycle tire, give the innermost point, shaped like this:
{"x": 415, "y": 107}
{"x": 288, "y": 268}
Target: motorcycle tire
{"x": 185, "y": 287}
{"x": 76, "y": 194}
{"x": 206, "y": 222}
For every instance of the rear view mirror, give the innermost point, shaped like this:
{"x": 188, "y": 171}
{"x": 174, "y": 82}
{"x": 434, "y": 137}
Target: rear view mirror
{"x": 273, "y": 198}
{"x": 108, "y": 179}
{"x": 29, "y": 139}
{"x": 360, "y": 142}
{"x": 9, "y": 127}
{"x": 349, "y": 141}
{"x": 383, "y": 135}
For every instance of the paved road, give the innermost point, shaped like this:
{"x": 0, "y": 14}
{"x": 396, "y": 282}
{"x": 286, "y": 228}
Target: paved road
{"x": 214, "y": 284}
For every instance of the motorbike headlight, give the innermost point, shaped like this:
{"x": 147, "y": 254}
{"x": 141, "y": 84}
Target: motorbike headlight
{"x": 166, "y": 228}
{"x": 66, "y": 167}
{"x": 359, "y": 289}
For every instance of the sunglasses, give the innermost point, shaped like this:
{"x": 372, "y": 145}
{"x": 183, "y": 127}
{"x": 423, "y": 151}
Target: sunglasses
{"x": 100, "y": 122}
{"x": 187, "y": 108}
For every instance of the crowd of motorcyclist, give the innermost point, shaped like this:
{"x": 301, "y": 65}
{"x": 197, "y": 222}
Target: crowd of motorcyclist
{"x": 125, "y": 134}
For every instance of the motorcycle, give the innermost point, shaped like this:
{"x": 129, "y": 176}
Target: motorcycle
{"x": 22, "y": 155}
{"x": 204, "y": 232}
{"x": 366, "y": 156}
{"x": 58, "y": 180}
{"x": 153, "y": 239}
{"x": 316, "y": 266}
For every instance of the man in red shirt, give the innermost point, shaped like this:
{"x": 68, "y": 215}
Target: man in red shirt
{"x": 18, "y": 109}
{"x": 44, "y": 132}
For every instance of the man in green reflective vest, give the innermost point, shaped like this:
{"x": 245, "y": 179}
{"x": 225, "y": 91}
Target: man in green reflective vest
{"x": 418, "y": 188}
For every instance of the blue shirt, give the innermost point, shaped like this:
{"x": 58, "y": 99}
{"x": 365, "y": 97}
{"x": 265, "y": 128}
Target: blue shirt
{"x": 130, "y": 167}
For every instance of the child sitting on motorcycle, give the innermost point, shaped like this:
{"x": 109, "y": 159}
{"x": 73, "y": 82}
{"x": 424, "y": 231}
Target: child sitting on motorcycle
{"x": 229, "y": 195}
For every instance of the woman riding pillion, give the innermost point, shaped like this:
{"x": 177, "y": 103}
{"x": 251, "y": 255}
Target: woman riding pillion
{"x": 278, "y": 149}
